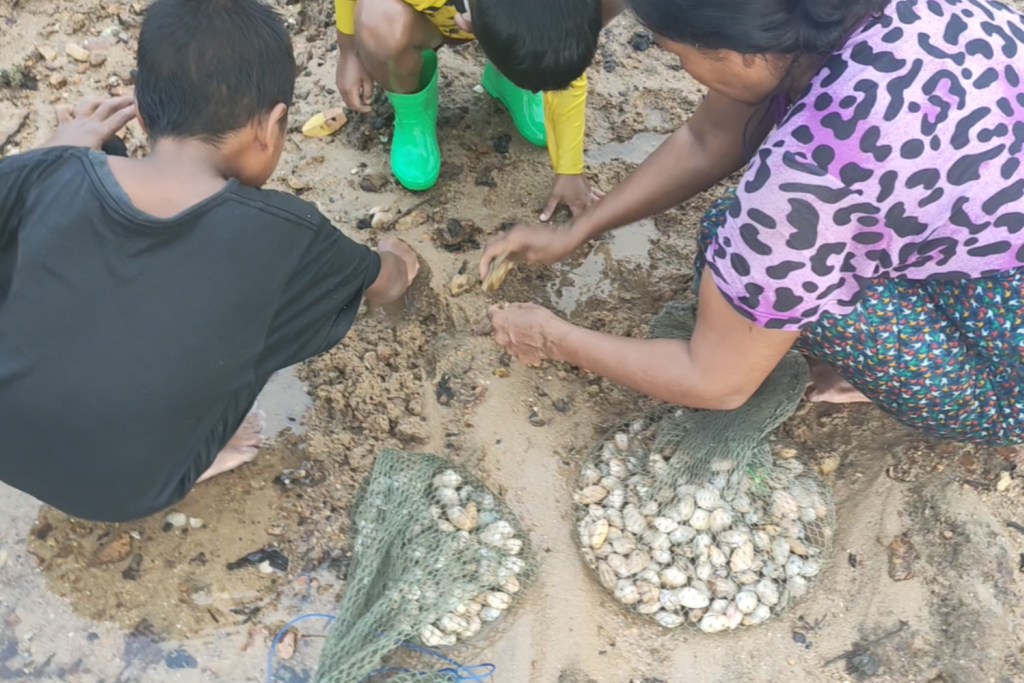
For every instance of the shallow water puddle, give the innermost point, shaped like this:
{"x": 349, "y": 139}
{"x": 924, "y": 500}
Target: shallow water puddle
{"x": 634, "y": 150}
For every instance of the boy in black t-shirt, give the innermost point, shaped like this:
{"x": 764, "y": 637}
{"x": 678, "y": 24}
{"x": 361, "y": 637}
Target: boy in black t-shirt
{"x": 144, "y": 303}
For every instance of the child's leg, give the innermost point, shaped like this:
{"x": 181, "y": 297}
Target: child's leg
{"x": 391, "y": 38}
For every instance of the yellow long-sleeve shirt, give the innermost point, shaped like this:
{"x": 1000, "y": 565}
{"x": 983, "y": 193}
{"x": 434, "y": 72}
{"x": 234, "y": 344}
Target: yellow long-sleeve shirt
{"x": 564, "y": 111}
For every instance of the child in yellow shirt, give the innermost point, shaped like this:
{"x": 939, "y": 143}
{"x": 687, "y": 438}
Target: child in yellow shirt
{"x": 532, "y": 45}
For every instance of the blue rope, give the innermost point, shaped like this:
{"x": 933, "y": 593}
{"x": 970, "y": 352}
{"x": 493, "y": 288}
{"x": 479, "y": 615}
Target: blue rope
{"x": 462, "y": 674}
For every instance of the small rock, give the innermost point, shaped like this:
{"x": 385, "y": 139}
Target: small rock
{"x": 43, "y": 529}
{"x": 484, "y": 328}
{"x": 195, "y": 522}
{"x": 287, "y": 645}
{"x": 373, "y": 182}
{"x": 46, "y": 52}
{"x": 503, "y": 143}
{"x": 296, "y": 184}
{"x": 502, "y": 372}
{"x": 3, "y": 558}
{"x": 265, "y": 567}
{"x": 97, "y": 59}
{"x": 277, "y": 529}
{"x": 461, "y": 284}
{"x": 457, "y": 235}
{"x": 536, "y": 420}
{"x": 175, "y": 520}
{"x": 902, "y": 555}
{"x": 412, "y": 220}
{"x": 1004, "y": 481}
{"x": 58, "y": 81}
{"x": 641, "y": 41}
{"x": 412, "y": 430}
{"x": 115, "y": 551}
{"x": 134, "y": 568}
{"x": 829, "y": 464}
{"x": 786, "y": 453}
{"x": 381, "y": 220}
{"x": 478, "y": 89}
{"x": 864, "y": 664}
{"x": 77, "y": 52}
{"x": 947, "y": 534}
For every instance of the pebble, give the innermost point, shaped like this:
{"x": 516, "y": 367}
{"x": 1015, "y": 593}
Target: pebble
{"x": 503, "y": 143}
{"x": 195, "y": 522}
{"x": 296, "y": 184}
{"x": 176, "y": 520}
{"x": 461, "y": 284}
{"x": 58, "y": 81}
{"x": 829, "y": 464}
{"x": 3, "y": 558}
{"x": 97, "y": 59}
{"x": 380, "y": 220}
{"x": 373, "y": 182}
{"x": 47, "y": 53}
{"x": 1004, "y": 481}
{"x": 277, "y": 529}
{"x": 77, "y": 52}
{"x": 115, "y": 551}
{"x": 265, "y": 567}
{"x": 478, "y": 89}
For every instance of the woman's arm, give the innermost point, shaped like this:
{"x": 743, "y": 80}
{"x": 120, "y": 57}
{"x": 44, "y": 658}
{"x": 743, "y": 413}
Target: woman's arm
{"x": 721, "y": 367}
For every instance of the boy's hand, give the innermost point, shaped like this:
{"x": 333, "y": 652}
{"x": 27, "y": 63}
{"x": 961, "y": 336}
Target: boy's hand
{"x": 575, "y": 192}
{"x": 532, "y": 244}
{"x": 395, "y": 246}
{"x": 91, "y": 123}
{"x": 355, "y": 85}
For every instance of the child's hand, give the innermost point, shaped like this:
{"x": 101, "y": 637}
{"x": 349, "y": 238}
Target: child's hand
{"x": 575, "y": 192}
{"x": 403, "y": 251}
{"x": 355, "y": 85}
{"x": 91, "y": 123}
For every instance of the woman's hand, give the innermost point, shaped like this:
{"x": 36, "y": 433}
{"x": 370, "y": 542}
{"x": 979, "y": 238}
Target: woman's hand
{"x": 91, "y": 123}
{"x": 575, "y": 191}
{"x": 531, "y": 244}
{"x": 355, "y": 85}
{"x": 526, "y": 331}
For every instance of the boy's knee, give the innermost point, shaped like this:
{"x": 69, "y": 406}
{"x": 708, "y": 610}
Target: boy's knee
{"x": 384, "y": 28}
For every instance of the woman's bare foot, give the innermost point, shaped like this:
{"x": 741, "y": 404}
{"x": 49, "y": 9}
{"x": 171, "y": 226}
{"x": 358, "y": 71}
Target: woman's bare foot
{"x": 241, "y": 449}
{"x": 828, "y": 387}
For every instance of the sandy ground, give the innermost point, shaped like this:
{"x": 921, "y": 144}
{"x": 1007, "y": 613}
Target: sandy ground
{"x": 135, "y": 602}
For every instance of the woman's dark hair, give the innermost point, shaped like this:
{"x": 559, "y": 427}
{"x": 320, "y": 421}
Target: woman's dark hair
{"x": 756, "y": 26}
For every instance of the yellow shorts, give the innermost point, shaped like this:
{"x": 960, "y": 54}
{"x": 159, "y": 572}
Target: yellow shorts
{"x": 443, "y": 18}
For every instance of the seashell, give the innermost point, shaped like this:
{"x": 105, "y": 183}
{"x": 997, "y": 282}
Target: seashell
{"x": 589, "y": 475}
{"x": 682, "y": 535}
{"x": 614, "y": 516}
{"x": 807, "y": 515}
{"x": 720, "y": 520}
{"x": 752, "y": 518}
{"x": 616, "y": 499}
{"x": 669, "y": 600}
{"x": 621, "y": 441}
{"x": 648, "y": 608}
{"x": 634, "y": 520}
{"x": 746, "y": 601}
{"x": 593, "y": 534}
{"x": 701, "y": 544}
{"x": 515, "y": 565}
{"x": 498, "y": 600}
{"x": 488, "y": 517}
{"x": 638, "y": 426}
{"x": 596, "y": 511}
{"x": 811, "y": 567}
{"x": 741, "y": 504}
{"x": 637, "y": 562}
{"x": 797, "y": 587}
{"x": 760, "y": 615}
{"x": 718, "y": 606}
{"x": 618, "y": 564}
{"x": 747, "y": 578}
{"x": 449, "y": 497}
{"x": 742, "y": 558}
{"x": 665, "y": 525}
{"x": 714, "y": 623}
{"x": 617, "y": 468}
{"x": 431, "y": 636}
{"x": 473, "y": 626}
{"x": 611, "y": 483}
{"x": 780, "y": 550}
{"x": 626, "y": 593}
{"x": 701, "y": 587}
{"x": 701, "y": 519}
{"x": 734, "y": 615}
{"x": 791, "y": 528}
{"x": 452, "y": 623}
{"x": 648, "y": 593}
{"x": 685, "y": 507}
{"x": 513, "y": 546}
{"x": 625, "y": 544}
{"x": 649, "y": 509}
{"x": 650, "y": 576}
{"x": 722, "y": 588}
{"x": 717, "y": 557}
{"x": 672, "y": 577}
{"x": 767, "y": 592}
{"x": 436, "y": 511}
{"x": 669, "y": 620}
{"x": 662, "y": 556}
{"x": 446, "y": 526}
{"x": 772, "y": 570}
{"x": 762, "y": 541}
{"x": 819, "y": 505}
{"x": 657, "y": 540}
{"x": 797, "y": 547}
{"x": 693, "y": 616}
{"x": 511, "y": 585}
{"x": 488, "y": 614}
{"x": 794, "y": 566}
{"x": 719, "y": 482}
{"x": 607, "y": 576}
{"x": 708, "y": 499}
{"x": 466, "y": 493}
{"x": 449, "y": 478}
{"x": 691, "y": 598}
{"x": 784, "y": 505}
{"x": 590, "y": 495}
{"x": 463, "y": 518}
{"x": 704, "y": 570}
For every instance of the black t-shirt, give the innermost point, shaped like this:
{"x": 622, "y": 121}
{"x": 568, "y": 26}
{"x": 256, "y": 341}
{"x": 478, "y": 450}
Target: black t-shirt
{"x": 127, "y": 341}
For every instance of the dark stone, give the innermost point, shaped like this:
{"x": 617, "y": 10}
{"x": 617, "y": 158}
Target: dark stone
{"x": 502, "y": 143}
{"x": 373, "y": 182}
{"x": 275, "y": 557}
{"x": 641, "y": 41}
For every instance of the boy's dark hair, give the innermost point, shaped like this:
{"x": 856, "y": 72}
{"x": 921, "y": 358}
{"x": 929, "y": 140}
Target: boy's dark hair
{"x": 538, "y": 44}
{"x": 207, "y": 68}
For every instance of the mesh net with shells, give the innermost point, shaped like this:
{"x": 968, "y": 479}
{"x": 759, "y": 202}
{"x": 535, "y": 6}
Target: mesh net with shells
{"x": 685, "y": 517}
{"x": 435, "y": 557}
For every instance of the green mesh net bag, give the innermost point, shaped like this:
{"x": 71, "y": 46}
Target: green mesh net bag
{"x": 436, "y": 557}
{"x": 686, "y": 517}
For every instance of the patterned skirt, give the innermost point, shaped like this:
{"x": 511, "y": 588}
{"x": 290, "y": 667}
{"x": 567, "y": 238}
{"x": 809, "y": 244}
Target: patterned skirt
{"x": 945, "y": 357}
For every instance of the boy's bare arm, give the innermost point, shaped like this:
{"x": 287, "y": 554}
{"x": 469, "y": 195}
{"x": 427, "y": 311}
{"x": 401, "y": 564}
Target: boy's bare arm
{"x": 399, "y": 266}
{"x": 611, "y": 9}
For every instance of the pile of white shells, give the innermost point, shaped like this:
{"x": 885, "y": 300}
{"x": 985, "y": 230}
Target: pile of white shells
{"x": 473, "y": 514}
{"x": 733, "y": 551}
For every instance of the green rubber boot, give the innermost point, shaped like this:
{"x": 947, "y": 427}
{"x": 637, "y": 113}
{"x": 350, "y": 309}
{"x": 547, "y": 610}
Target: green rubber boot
{"x": 527, "y": 108}
{"x": 415, "y": 156}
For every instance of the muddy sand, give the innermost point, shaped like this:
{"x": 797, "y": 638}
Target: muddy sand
{"x": 146, "y": 602}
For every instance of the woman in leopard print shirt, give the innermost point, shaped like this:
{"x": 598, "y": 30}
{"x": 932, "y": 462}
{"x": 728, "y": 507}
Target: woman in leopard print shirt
{"x": 879, "y": 226}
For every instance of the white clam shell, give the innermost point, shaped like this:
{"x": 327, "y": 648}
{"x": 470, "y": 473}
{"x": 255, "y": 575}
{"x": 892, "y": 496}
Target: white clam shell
{"x": 626, "y": 593}
{"x": 747, "y": 601}
{"x": 618, "y": 564}
{"x": 722, "y": 588}
{"x": 742, "y": 558}
{"x": 488, "y": 614}
{"x": 784, "y": 505}
{"x": 593, "y": 533}
{"x": 624, "y": 544}
{"x": 747, "y": 578}
{"x": 613, "y": 515}
{"x": 767, "y": 592}
{"x": 692, "y": 598}
{"x": 669, "y": 620}
{"x": 621, "y": 441}
{"x": 780, "y": 550}
{"x": 708, "y": 499}
{"x": 718, "y": 606}
{"x": 704, "y": 570}
{"x": 701, "y": 519}
{"x": 665, "y": 525}
{"x": 650, "y": 509}
{"x": 714, "y": 623}
{"x": 634, "y": 520}
{"x": 448, "y": 497}
{"x": 637, "y": 561}
{"x": 511, "y": 585}
{"x": 617, "y": 468}
{"x": 794, "y": 566}
{"x": 661, "y": 556}
{"x": 498, "y": 600}
{"x": 734, "y": 615}
{"x": 741, "y": 504}
{"x": 720, "y": 520}
{"x": 452, "y": 623}
{"x": 513, "y": 546}
{"x": 589, "y": 475}
{"x": 682, "y": 535}
{"x": 449, "y": 479}
{"x": 658, "y": 540}
{"x": 672, "y": 577}
{"x": 590, "y": 495}
{"x": 607, "y": 576}
{"x": 616, "y": 499}
{"x": 717, "y": 557}
{"x": 434, "y": 637}
{"x": 760, "y": 615}
{"x": 797, "y": 587}
{"x": 811, "y": 567}
{"x": 685, "y": 507}
{"x": 734, "y": 538}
